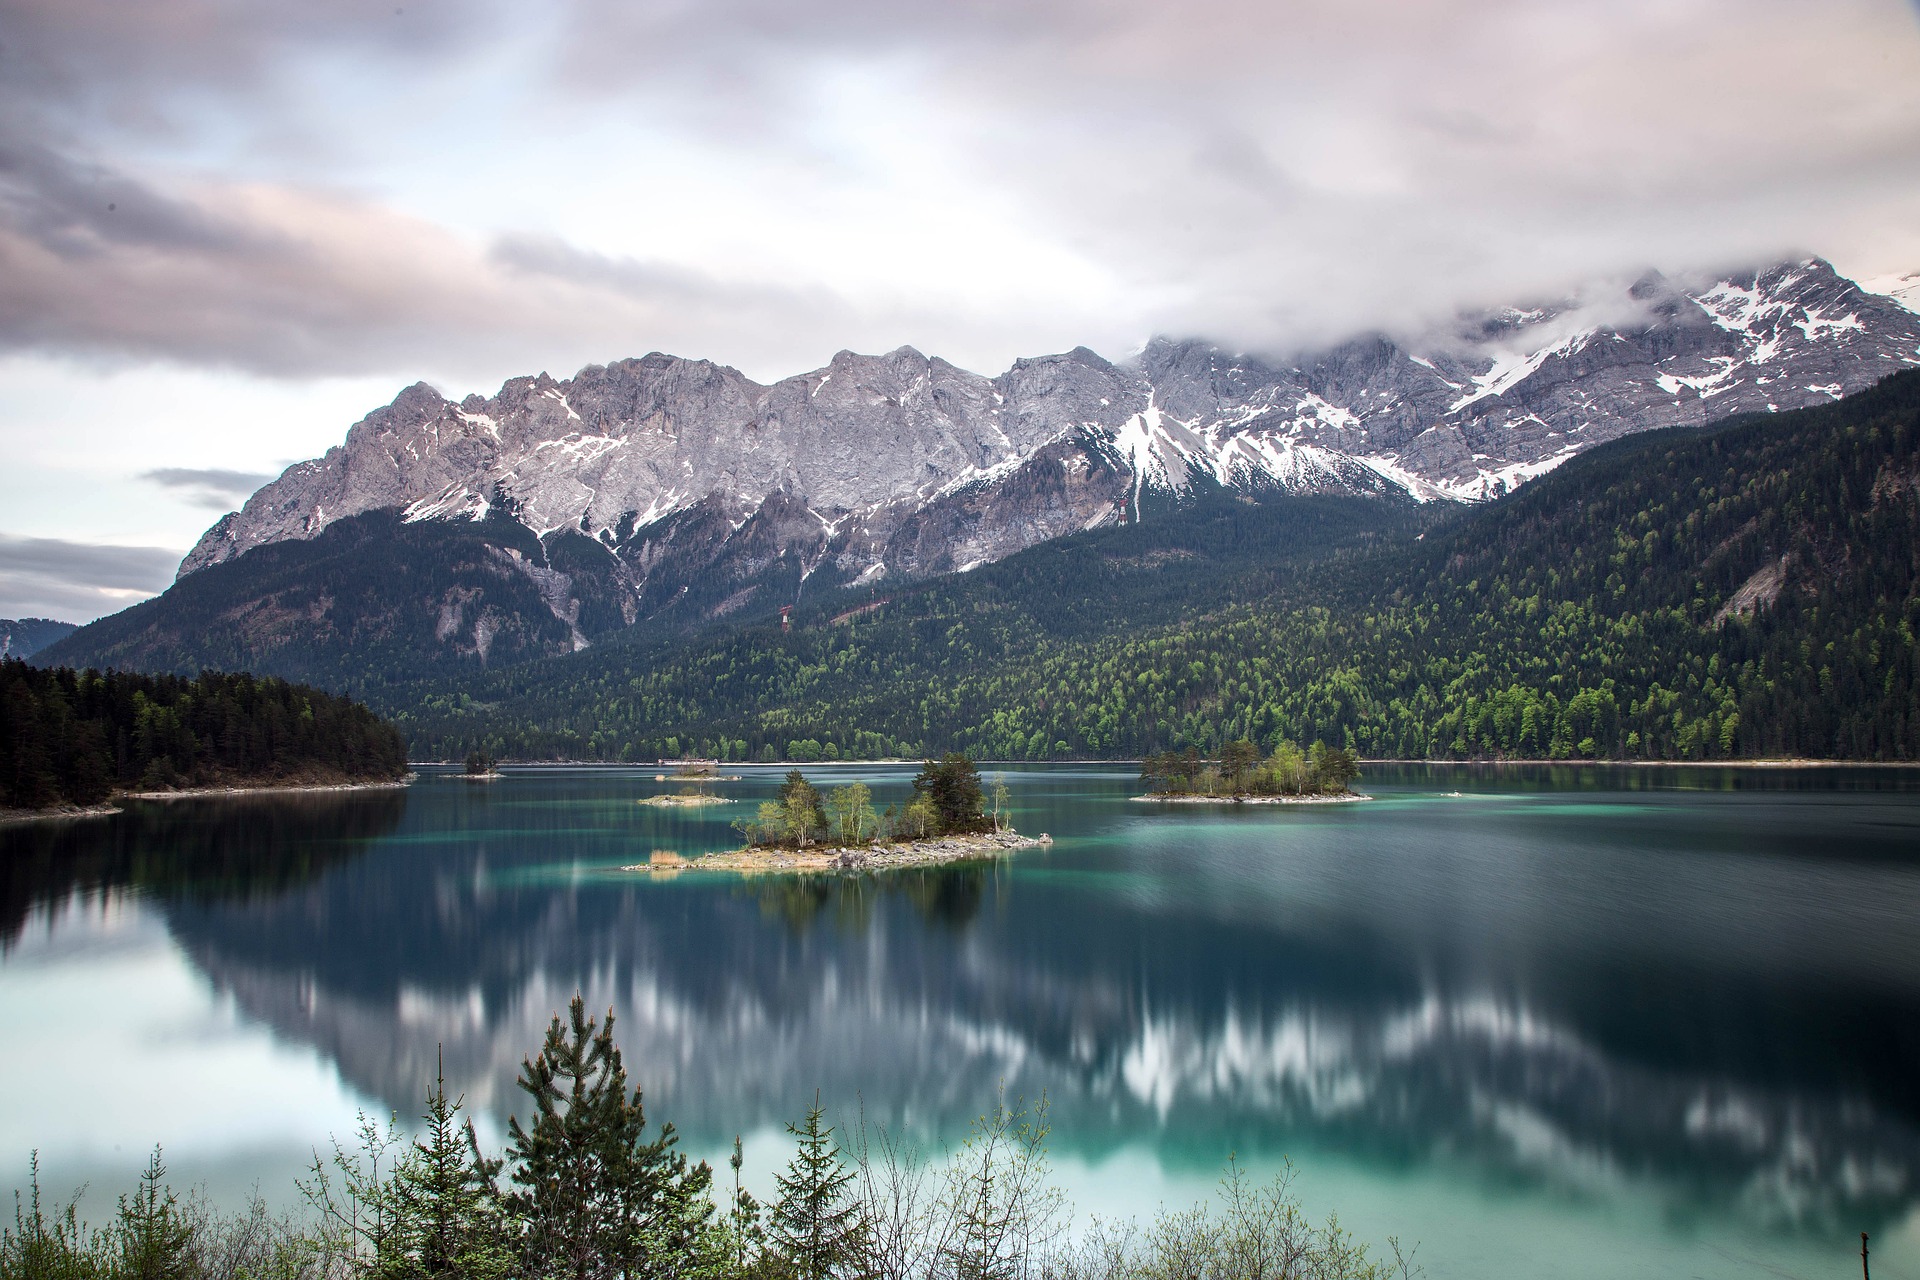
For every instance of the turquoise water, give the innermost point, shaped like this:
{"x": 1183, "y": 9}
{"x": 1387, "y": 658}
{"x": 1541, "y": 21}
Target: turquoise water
{"x": 1543, "y": 1021}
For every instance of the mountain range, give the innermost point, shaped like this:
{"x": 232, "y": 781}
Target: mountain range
{"x": 24, "y": 637}
{"x": 660, "y": 494}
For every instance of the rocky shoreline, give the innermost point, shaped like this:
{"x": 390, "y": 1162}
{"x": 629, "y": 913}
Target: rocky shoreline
{"x": 60, "y": 813}
{"x": 67, "y": 812}
{"x": 874, "y": 857}
{"x": 202, "y": 793}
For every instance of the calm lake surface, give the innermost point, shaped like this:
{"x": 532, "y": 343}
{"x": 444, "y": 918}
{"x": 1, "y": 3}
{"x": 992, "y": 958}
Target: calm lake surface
{"x": 1570, "y": 1022}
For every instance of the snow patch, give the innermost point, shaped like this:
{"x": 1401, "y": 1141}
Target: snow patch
{"x": 481, "y": 420}
{"x": 1706, "y": 386}
{"x": 451, "y": 503}
{"x": 1510, "y": 368}
{"x": 1903, "y": 288}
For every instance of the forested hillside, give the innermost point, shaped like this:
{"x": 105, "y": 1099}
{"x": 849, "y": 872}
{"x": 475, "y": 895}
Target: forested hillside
{"x": 70, "y": 737}
{"x": 1741, "y": 590}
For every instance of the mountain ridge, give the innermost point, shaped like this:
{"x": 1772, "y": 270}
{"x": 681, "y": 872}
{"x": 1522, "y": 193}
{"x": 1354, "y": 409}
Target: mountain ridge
{"x": 1750, "y": 591}
{"x": 666, "y": 494}
{"x": 867, "y": 442}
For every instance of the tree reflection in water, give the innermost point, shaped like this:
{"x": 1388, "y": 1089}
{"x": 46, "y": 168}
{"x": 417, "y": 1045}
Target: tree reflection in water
{"x": 231, "y": 849}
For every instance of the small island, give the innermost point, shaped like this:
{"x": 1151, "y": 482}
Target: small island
{"x": 1239, "y": 775}
{"x": 948, "y": 820}
{"x": 699, "y": 772}
{"x": 481, "y": 767}
{"x": 695, "y": 775}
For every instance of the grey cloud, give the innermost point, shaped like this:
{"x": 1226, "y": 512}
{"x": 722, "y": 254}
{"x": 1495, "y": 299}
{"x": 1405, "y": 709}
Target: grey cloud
{"x": 55, "y": 578}
{"x": 210, "y": 487}
{"x": 1270, "y": 175}
{"x": 120, "y": 62}
{"x": 76, "y": 210}
{"x": 298, "y": 283}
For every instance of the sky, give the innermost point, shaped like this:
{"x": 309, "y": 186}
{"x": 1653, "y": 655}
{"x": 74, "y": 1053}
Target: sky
{"x": 230, "y": 228}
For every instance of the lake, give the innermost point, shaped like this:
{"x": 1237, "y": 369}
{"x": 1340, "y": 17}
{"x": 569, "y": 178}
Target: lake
{"x": 1544, "y": 1021}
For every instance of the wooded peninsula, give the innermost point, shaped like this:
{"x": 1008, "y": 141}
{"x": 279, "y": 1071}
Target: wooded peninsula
{"x": 75, "y": 738}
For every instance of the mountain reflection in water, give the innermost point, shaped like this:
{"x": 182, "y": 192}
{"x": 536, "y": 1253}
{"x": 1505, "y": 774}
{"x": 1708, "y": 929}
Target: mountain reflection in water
{"x": 1605, "y": 992}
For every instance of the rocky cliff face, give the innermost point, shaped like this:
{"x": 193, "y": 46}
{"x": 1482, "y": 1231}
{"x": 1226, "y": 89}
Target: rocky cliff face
{"x": 663, "y": 487}
{"x": 886, "y": 452}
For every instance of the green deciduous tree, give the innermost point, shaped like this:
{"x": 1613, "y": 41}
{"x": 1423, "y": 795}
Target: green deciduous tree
{"x": 852, "y": 810}
{"x": 800, "y": 813}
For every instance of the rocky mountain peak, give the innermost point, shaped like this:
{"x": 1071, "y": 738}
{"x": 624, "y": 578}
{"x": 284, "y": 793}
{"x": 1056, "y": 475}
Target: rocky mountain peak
{"x": 895, "y": 462}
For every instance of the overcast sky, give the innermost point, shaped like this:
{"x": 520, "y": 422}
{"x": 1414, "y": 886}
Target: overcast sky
{"x": 228, "y": 228}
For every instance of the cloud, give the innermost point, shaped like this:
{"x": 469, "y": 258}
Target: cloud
{"x": 78, "y": 581}
{"x": 762, "y": 182}
{"x": 209, "y": 487}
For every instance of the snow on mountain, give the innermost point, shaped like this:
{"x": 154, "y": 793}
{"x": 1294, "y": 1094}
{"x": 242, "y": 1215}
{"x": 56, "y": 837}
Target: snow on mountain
{"x": 902, "y": 464}
{"x": 1903, "y": 288}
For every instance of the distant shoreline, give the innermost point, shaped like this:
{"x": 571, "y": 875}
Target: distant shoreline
{"x": 1349, "y": 798}
{"x": 1786, "y": 763}
{"x": 1018, "y": 764}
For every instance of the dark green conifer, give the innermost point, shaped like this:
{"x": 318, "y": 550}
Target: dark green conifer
{"x": 953, "y": 785}
{"x": 595, "y": 1198}
{"x": 818, "y": 1226}
{"x": 446, "y": 1202}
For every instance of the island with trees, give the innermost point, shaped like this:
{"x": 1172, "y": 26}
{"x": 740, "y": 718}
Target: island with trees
{"x": 71, "y": 740}
{"x": 952, "y": 817}
{"x": 1239, "y": 774}
{"x": 694, "y": 777}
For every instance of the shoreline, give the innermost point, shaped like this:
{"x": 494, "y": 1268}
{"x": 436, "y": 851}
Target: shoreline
{"x": 938, "y": 851}
{"x": 114, "y": 804}
{"x": 1772, "y": 763}
{"x": 1349, "y": 798}
{"x": 682, "y": 802}
{"x": 204, "y": 793}
{"x": 65, "y": 813}
{"x": 1769, "y": 763}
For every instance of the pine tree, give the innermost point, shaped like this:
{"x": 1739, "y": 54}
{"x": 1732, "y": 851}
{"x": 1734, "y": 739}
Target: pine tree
{"x": 446, "y": 1203}
{"x": 818, "y": 1226}
{"x": 595, "y": 1199}
{"x": 746, "y": 1235}
{"x": 155, "y": 1237}
{"x": 953, "y": 785}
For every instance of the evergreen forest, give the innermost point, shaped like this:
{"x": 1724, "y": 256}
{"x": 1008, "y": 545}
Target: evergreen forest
{"x": 75, "y": 737}
{"x": 1738, "y": 591}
